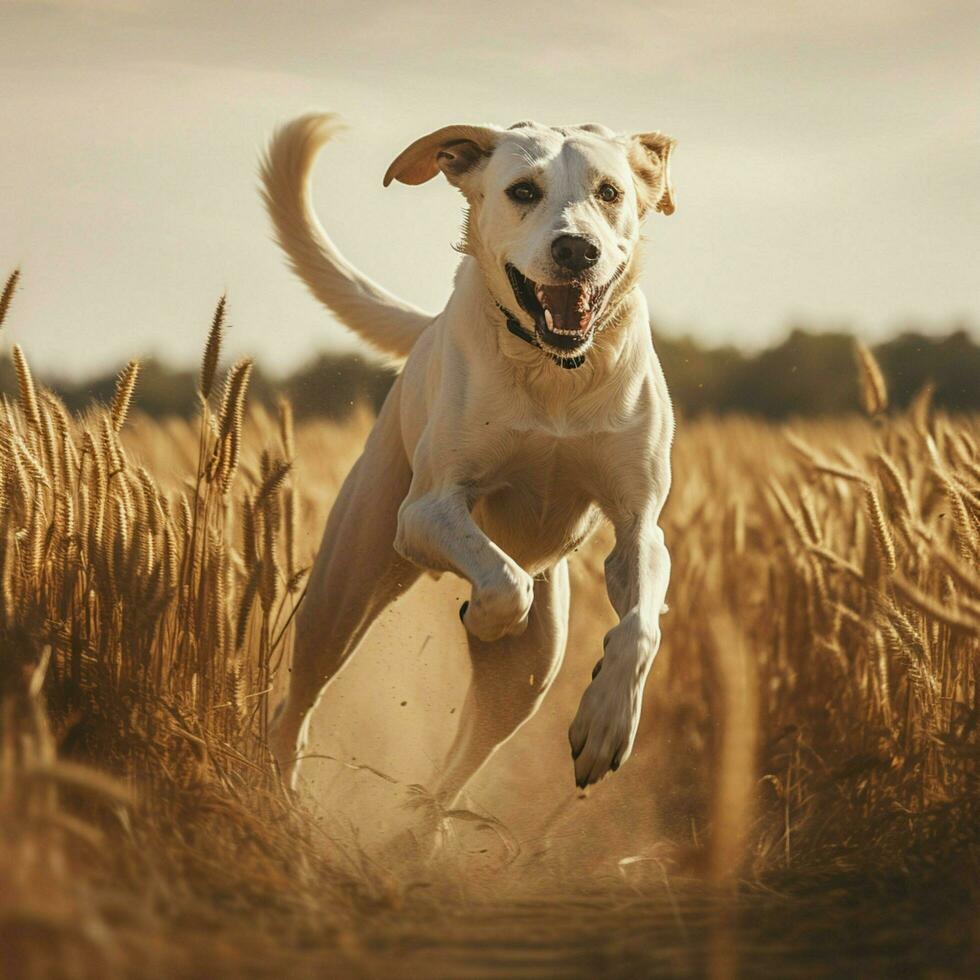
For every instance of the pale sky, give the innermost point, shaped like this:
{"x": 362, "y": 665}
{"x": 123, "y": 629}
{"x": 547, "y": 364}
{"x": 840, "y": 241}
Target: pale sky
{"x": 827, "y": 168}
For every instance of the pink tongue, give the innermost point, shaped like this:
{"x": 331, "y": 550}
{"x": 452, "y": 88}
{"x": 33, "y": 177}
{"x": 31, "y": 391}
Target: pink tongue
{"x": 567, "y": 307}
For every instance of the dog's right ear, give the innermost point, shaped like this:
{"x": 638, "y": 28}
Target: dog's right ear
{"x": 455, "y": 150}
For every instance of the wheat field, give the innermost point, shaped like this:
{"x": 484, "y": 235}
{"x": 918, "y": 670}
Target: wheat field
{"x": 802, "y": 800}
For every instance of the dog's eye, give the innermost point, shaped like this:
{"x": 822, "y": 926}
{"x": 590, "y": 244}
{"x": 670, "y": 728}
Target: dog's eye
{"x": 524, "y": 193}
{"x": 608, "y": 193}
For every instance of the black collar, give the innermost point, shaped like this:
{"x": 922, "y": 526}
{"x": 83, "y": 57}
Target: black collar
{"x": 529, "y": 338}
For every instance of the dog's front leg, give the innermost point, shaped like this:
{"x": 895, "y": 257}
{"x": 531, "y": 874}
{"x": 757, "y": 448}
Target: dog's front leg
{"x": 437, "y": 532}
{"x": 637, "y": 572}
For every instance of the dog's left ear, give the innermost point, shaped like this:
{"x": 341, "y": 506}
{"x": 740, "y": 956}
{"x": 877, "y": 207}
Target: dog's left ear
{"x": 455, "y": 150}
{"x": 649, "y": 155}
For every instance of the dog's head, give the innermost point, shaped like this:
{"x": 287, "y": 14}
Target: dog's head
{"x": 554, "y": 215}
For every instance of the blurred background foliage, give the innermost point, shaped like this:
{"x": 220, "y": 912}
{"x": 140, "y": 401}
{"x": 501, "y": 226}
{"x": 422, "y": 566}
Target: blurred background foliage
{"x": 810, "y": 373}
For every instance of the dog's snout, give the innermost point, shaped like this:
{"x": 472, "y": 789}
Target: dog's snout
{"x": 575, "y": 253}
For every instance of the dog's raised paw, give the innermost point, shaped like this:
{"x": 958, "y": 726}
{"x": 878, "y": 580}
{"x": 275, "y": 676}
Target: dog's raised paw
{"x": 501, "y": 608}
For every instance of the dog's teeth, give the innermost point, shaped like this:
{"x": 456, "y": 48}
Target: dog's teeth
{"x": 549, "y": 319}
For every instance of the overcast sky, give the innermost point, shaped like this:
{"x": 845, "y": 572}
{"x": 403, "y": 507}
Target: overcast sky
{"x": 827, "y": 170}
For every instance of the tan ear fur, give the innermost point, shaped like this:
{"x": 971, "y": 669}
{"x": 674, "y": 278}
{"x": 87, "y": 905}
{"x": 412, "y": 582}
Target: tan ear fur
{"x": 452, "y": 150}
{"x": 650, "y": 158}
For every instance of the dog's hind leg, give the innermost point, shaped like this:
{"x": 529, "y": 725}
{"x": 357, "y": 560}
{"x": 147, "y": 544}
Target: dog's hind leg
{"x": 510, "y": 678}
{"x": 357, "y": 573}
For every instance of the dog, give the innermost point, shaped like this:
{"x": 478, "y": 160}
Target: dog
{"x": 529, "y": 410}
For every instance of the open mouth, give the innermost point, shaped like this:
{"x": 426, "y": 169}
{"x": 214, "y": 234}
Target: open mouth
{"x": 564, "y": 315}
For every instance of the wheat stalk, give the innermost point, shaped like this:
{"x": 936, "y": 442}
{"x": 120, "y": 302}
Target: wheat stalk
{"x": 231, "y": 419}
{"x": 286, "y": 433}
{"x": 125, "y": 385}
{"x": 7, "y": 296}
{"x": 872, "y": 387}
{"x": 28, "y": 392}
{"x": 212, "y": 350}
{"x": 882, "y": 534}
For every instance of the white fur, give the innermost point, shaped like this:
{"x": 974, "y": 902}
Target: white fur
{"x": 488, "y": 459}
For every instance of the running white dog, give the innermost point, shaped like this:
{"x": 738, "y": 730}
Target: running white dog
{"x": 527, "y": 410}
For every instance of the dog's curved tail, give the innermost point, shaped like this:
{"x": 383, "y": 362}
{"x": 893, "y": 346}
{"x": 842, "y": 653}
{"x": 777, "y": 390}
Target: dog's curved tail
{"x": 370, "y": 311}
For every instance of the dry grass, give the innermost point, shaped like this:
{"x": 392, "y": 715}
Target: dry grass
{"x": 810, "y": 728}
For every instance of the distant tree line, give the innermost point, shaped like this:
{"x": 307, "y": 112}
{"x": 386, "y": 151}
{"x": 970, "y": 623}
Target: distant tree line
{"x": 814, "y": 374}
{"x": 330, "y": 385}
{"x": 808, "y": 373}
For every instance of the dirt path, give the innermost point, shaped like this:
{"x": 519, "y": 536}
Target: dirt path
{"x": 683, "y": 934}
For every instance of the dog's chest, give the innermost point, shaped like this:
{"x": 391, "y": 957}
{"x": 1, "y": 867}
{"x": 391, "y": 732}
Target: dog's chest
{"x": 534, "y": 503}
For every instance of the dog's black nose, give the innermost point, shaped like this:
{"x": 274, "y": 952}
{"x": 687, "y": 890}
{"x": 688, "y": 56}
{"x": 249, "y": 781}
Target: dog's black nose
{"x": 575, "y": 253}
